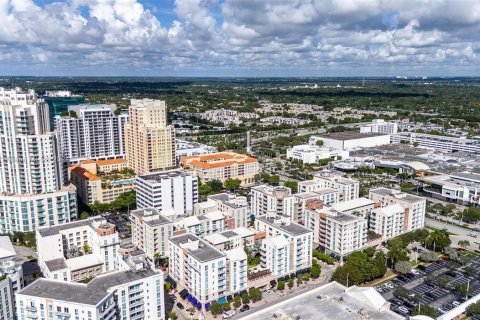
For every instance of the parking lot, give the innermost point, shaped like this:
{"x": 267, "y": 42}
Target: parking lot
{"x": 438, "y": 285}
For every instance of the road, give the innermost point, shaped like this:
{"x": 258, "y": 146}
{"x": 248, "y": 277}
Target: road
{"x": 460, "y": 233}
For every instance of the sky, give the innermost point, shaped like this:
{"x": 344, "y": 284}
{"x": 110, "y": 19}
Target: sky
{"x": 240, "y": 38}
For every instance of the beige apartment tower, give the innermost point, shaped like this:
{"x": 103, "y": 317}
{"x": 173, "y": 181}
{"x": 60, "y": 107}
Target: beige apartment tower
{"x": 149, "y": 141}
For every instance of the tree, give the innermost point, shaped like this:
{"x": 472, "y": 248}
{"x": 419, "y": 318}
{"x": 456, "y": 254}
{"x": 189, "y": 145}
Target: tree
{"x": 428, "y": 256}
{"x": 315, "y": 271}
{"x": 402, "y": 292}
{"x": 291, "y": 283}
{"x": 172, "y": 315}
{"x": 281, "y": 285}
{"x": 470, "y": 271}
{"x": 226, "y": 306}
{"x": 463, "y": 243}
{"x": 168, "y": 286}
{"x": 232, "y": 184}
{"x": 237, "y": 302}
{"x": 473, "y": 309}
{"x": 471, "y": 215}
{"x": 292, "y": 185}
{"x": 319, "y": 143}
{"x": 245, "y": 298}
{"x": 84, "y": 215}
{"x": 255, "y": 294}
{"x": 156, "y": 257}
{"x": 317, "y": 254}
{"x": 216, "y": 308}
{"x": 403, "y": 267}
{"x": 425, "y": 310}
{"x": 86, "y": 248}
{"x": 438, "y": 240}
{"x": 464, "y": 289}
{"x": 395, "y": 254}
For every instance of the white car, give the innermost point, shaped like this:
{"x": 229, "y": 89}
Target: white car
{"x": 228, "y": 314}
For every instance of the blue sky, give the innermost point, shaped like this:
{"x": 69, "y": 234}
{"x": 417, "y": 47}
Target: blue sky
{"x": 240, "y": 37}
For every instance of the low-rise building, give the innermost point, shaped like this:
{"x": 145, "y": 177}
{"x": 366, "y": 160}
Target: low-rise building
{"x": 300, "y": 241}
{"x": 359, "y": 207}
{"x": 78, "y": 250}
{"x": 171, "y": 190}
{"x": 313, "y": 154}
{"x": 222, "y": 166}
{"x": 231, "y": 239}
{"x": 186, "y": 148}
{"x": 130, "y": 295}
{"x": 437, "y": 143}
{"x": 414, "y": 206}
{"x": 348, "y": 188}
{"x": 235, "y": 209}
{"x": 267, "y": 199}
{"x": 151, "y": 231}
{"x": 202, "y": 225}
{"x": 388, "y": 221}
{"x": 207, "y": 273}
{"x": 380, "y": 126}
{"x": 350, "y": 140}
{"x": 101, "y": 181}
{"x": 276, "y": 255}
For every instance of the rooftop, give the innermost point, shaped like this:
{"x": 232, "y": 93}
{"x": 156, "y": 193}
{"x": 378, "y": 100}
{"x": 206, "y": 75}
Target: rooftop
{"x": 389, "y": 210}
{"x": 466, "y": 175}
{"x": 6, "y": 248}
{"x": 343, "y": 217}
{"x": 216, "y": 160}
{"x": 292, "y": 228}
{"x": 350, "y": 135}
{"x": 56, "y": 264}
{"x": 352, "y": 305}
{"x": 91, "y": 294}
{"x": 204, "y": 253}
{"x": 397, "y": 194}
{"x": 352, "y": 204}
{"x": 159, "y": 176}
{"x": 151, "y": 216}
{"x": 53, "y": 230}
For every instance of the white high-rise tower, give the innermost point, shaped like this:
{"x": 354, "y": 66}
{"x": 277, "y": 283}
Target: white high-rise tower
{"x": 31, "y": 187}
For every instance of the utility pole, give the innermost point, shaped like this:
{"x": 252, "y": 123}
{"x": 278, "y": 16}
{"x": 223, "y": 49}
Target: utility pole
{"x": 347, "y": 278}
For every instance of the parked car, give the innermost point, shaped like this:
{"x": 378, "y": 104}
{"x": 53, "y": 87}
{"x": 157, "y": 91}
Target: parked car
{"x": 455, "y": 304}
{"x": 244, "y": 308}
{"x": 180, "y": 306}
{"x": 228, "y": 314}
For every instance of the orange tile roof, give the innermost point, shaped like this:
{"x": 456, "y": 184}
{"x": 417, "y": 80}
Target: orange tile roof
{"x": 223, "y": 160}
{"x": 108, "y": 162}
{"x": 87, "y": 161}
{"x": 84, "y": 174}
{"x": 210, "y": 156}
{"x": 221, "y": 164}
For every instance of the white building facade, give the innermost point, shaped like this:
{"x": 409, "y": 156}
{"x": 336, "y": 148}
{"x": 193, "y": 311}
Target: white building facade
{"x": 278, "y": 200}
{"x": 312, "y": 153}
{"x": 348, "y": 188}
{"x": 380, "y": 126}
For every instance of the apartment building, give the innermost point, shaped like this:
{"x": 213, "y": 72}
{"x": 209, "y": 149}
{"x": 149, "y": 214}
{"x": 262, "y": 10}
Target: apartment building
{"x": 348, "y": 188}
{"x": 101, "y": 181}
{"x": 151, "y": 231}
{"x": 149, "y": 141}
{"x": 380, "y": 126}
{"x": 389, "y": 221}
{"x": 6, "y": 299}
{"x": 437, "y": 143}
{"x": 414, "y": 206}
{"x": 91, "y": 131}
{"x": 8, "y": 266}
{"x": 172, "y": 190}
{"x": 300, "y": 241}
{"x": 275, "y": 255}
{"x": 222, "y": 166}
{"x": 31, "y": 179}
{"x": 459, "y": 187}
{"x": 186, "y": 148}
{"x": 337, "y": 233}
{"x": 278, "y": 200}
{"x": 359, "y": 207}
{"x": 126, "y": 295}
{"x": 235, "y": 209}
{"x": 327, "y": 196}
{"x": 207, "y": 273}
{"x": 313, "y": 154}
{"x": 59, "y": 101}
{"x": 78, "y": 250}
{"x": 202, "y": 225}
{"x": 231, "y": 239}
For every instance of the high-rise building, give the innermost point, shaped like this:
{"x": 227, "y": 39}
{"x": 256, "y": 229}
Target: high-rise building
{"x": 31, "y": 183}
{"x": 149, "y": 141}
{"x": 58, "y": 102}
{"x": 91, "y": 131}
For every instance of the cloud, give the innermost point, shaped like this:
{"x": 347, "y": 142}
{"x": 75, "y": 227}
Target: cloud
{"x": 249, "y": 37}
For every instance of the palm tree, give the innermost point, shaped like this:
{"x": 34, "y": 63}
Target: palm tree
{"x": 86, "y": 248}
{"x": 436, "y": 237}
{"x": 394, "y": 253}
{"x": 464, "y": 243}
{"x": 156, "y": 257}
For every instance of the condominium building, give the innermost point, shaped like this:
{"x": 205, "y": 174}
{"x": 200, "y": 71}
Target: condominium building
{"x": 327, "y": 196}
{"x": 235, "y": 209}
{"x": 173, "y": 190}
{"x": 222, "y": 166}
{"x": 130, "y": 295}
{"x": 149, "y": 141}
{"x": 313, "y": 154}
{"x": 278, "y": 200}
{"x": 59, "y": 101}
{"x": 31, "y": 182}
{"x": 414, "y": 206}
{"x": 6, "y": 298}
{"x": 337, "y": 233}
{"x": 231, "y": 239}
{"x": 275, "y": 255}
{"x": 359, "y": 207}
{"x": 389, "y": 221}
{"x": 186, "y": 148}
{"x": 348, "y": 188}
{"x": 202, "y": 225}
{"x": 437, "y": 143}
{"x": 8, "y": 266}
{"x": 207, "y": 273}
{"x": 101, "y": 181}
{"x": 78, "y": 250}
{"x": 151, "y": 231}
{"x": 91, "y": 131}
{"x": 459, "y": 187}
{"x": 380, "y": 126}
{"x": 300, "y": 241}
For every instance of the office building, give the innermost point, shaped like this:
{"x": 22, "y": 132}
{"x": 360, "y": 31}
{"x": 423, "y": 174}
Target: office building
{"x": 414, "y": 206}
{"x": 348, "y": 188}
{"x": 300, "y": 241}
{"x": 389, "y": 221}
{"x": 58, "y": 103}
{"x": 186, "y": 148}
{"x": 130, "y": 295}
{"x": 149, "y": 141}
{"x": 222, "y": 166}
{"x": 459, "y": 187}
{"x": 91, "y": 131}
{"x": 350, "y": 140}
{"x": 267, "y": 199}
{"x": 78, "y": 250}
{"x": 31, "y": 182}
{"x": 151, "y": 231}
{"x": 206, "y": 272}
{"x": 306, "y": 153}
{"x": 172, "y": 192}
{"x": 101, "y": 181}
{"x": 380, "y": 126}
{"x": 437, "y": 143}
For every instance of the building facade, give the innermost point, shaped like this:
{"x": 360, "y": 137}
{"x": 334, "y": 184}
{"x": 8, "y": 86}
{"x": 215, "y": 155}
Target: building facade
{"x": 438, "y": 143}
{"x": 313, "y": 154}
{"x": 389, "y": 221}
{"x": 267, "y": 199}
{"x": 174, "y": 190}
{"x": 380, "y": 126}
{"x": 348, "y": 188}
{"x": 149, "y": 141}
{"x": 59, "y": 101}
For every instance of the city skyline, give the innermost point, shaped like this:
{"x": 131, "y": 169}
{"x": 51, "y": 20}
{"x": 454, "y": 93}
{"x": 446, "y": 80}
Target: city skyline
{"x": 239, "y": 38}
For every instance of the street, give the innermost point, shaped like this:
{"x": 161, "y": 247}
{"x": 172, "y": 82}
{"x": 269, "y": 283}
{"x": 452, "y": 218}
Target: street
{"x": 460, "y": 233}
